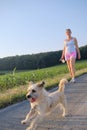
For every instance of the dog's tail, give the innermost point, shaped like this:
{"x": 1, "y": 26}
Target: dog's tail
{"x": 62, "y": 85}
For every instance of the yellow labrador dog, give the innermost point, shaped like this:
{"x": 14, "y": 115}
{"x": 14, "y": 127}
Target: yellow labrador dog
{"x": 43, "y": 102}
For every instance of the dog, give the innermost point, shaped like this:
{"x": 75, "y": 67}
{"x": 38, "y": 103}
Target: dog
{"x": 42, "y": 102}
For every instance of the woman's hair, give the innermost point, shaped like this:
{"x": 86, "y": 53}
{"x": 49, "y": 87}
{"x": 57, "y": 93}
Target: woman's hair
{"x": 68, "y": 30}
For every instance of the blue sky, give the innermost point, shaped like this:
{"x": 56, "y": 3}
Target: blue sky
{"x": 34, "y": 26}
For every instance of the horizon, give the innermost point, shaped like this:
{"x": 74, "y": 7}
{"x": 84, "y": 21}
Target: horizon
{"x": 35, "y": 53}
{"x": 32, "y": 27}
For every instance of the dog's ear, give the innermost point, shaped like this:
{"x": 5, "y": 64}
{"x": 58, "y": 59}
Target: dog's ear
{"x": 31, "y": 82}
{"x": 41, "y": 84}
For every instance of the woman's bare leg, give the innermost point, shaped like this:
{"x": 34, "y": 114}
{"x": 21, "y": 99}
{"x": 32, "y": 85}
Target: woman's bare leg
{"x": 69, "y": 67}
{"x": 72, "y": 66}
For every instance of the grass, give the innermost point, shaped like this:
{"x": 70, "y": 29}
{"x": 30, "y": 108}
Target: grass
{"x": 13, "y": 87}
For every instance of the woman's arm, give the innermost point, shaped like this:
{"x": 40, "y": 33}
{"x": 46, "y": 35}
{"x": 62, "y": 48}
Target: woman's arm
{"x": 77, "y": 48}
{"x": 63, "y": 53}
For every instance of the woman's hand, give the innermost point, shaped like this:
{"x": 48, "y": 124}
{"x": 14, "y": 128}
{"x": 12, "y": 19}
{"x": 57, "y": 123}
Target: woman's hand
{"x": 79, "y": 56}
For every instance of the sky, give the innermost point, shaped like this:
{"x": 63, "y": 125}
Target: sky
{"x": 35, "y": 26}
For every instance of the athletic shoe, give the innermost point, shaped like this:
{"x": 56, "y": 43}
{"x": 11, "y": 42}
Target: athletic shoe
{"x": 73, "y": 80}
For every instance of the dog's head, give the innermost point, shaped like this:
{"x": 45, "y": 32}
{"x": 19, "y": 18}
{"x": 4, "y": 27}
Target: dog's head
{"x": 34, "y": 91}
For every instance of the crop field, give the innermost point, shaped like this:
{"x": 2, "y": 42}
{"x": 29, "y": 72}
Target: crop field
{"x": 13, "y": 84}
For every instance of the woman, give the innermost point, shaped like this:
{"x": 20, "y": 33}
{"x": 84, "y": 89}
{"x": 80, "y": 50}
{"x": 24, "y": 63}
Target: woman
{"x": 70, "y": 51}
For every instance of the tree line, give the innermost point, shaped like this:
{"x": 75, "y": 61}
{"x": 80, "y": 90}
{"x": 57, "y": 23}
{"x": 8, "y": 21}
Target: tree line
{"x": 36, "y": 61}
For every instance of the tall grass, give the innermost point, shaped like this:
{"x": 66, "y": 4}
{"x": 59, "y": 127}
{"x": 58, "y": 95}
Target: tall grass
{"x": 9, "y": 81}
{"x": 13, "y": 86}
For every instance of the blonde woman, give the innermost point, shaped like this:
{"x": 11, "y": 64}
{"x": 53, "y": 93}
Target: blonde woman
{"x": 70, "y": 51}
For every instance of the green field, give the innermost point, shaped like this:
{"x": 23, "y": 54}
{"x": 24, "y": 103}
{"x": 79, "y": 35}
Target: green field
{"x": 13, "y": 85}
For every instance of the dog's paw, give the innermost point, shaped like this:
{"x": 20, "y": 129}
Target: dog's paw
{"x": 63, "y": 115}
{"x": 23, "y": 122}
{"x": 29, "y": 129}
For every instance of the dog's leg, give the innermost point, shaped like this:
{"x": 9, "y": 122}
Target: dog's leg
{"x": 29, "y": 116}
{"x": 35, "y": 122}
{"x": 64, "y": 106}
